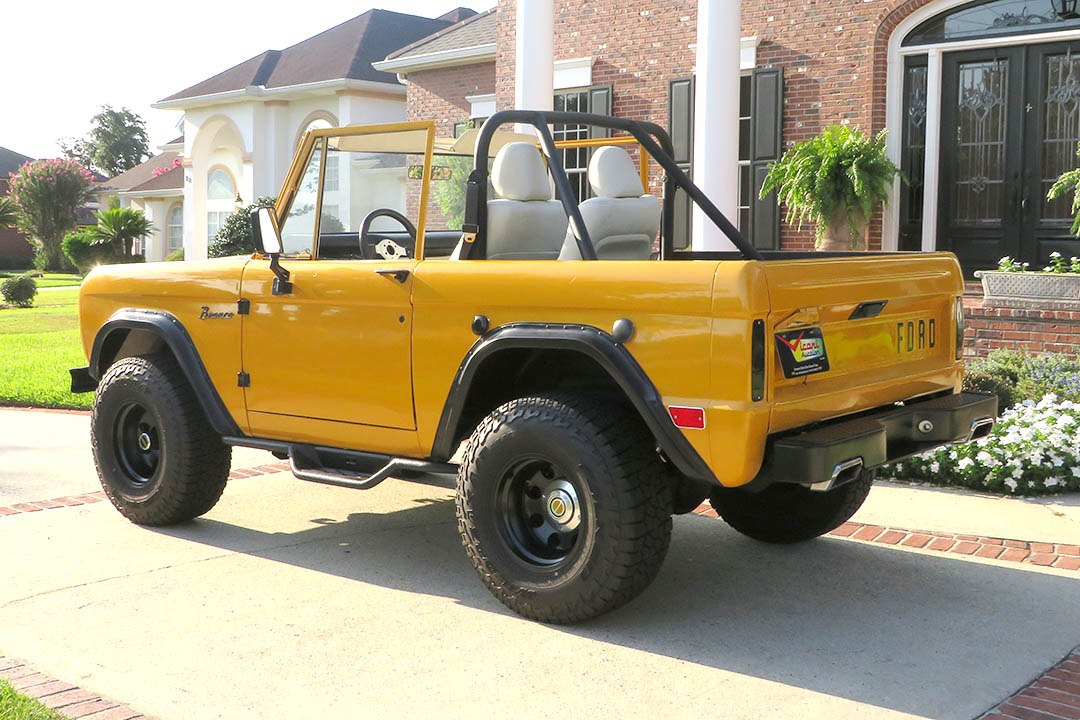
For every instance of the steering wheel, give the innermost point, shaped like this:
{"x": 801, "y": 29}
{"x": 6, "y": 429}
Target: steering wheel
{"x": 387, "y": 212}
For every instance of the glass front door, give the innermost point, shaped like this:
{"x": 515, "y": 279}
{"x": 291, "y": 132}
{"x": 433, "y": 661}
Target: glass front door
{"x": 1010, "y": 126}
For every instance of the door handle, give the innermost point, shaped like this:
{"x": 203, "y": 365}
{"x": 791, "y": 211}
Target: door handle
{"x": 400, "y": 275}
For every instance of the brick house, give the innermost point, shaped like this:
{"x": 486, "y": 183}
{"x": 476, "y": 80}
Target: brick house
{"x": 991, "y": 86}
{"x": 15, "y": 251}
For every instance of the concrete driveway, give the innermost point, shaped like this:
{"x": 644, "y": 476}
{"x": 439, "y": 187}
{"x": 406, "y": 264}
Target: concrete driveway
{"x": 292, "y": 600}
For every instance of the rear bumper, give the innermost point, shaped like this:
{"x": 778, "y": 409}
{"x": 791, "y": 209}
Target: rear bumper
{"x": 838, "y": 452}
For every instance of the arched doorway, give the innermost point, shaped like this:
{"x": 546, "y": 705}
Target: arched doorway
{"x": 990, "y": 117}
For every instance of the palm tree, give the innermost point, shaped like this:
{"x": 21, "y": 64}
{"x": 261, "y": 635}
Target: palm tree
{"x": 7, "y": 212}
{"x": 120, "y": 227}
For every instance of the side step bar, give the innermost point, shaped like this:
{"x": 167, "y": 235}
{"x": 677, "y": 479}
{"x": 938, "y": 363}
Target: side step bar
{"x": 363, "y": 481}
{"x": 363, "y": 472}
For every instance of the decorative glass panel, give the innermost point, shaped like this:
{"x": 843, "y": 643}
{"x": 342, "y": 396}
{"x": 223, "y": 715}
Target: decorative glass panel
{"x": 219, "y": 186}
{"x": 914, "y": 141}
{"x": 990, "y": 19}
{"x": 980, "y": 142}
{"x": 1061, "y": 128}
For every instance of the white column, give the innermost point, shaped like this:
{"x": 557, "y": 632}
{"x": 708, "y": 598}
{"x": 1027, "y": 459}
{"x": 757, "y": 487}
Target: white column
{"x": 716, "y": 118}
{"x": 933, "y": 150}
{"x": 534, "y": 58}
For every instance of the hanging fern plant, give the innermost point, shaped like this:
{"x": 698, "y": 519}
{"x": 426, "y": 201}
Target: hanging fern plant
{"x": 838, "y": 176}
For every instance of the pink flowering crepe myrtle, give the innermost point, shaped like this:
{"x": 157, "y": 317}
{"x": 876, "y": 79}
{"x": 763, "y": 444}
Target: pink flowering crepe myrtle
{"x": 159, "y": 171}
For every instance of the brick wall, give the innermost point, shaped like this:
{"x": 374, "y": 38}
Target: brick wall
{"x": 833, "y": 53}
{"x": 439, "y": 95}
{"x": 14, "y": 249}
{"x": 1029, "y": 329}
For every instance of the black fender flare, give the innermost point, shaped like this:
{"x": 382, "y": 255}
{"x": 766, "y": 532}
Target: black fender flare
{"x": 612, "y": 357}
{"x": 171, "y": 331}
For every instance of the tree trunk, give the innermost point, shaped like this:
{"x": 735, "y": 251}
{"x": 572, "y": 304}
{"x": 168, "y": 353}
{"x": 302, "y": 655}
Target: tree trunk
{"x": 127, "y": 248}
{"x": 54, "y": 253}
{"x": 837, "y": 236}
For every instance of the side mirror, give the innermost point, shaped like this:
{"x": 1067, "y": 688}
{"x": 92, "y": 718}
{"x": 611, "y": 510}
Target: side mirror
{"x": 267, "y": 237}
{"x": 265, "y": 232}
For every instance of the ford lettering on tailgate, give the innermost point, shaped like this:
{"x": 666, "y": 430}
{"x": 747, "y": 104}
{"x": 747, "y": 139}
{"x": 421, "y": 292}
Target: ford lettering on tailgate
{"x": 914, "y": 335}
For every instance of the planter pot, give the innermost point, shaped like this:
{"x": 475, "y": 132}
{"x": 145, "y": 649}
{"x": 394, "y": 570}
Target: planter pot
{"x": 837, "y": 237}
{"x": 1029, "y": 289}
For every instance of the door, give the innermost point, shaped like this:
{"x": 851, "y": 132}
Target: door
{"x": 1052, "y": 131}
{"x": 337, "y": 348}
{"x": 1010, "y": 125}
{"x": 979, "y": 215}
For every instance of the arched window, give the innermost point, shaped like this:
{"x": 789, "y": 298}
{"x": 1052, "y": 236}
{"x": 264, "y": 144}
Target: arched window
{"x": 174, "y": 230}
{"x": 991, "y": 18}
{"x": 220, "y": 201}
{"x": 219, "y": 186}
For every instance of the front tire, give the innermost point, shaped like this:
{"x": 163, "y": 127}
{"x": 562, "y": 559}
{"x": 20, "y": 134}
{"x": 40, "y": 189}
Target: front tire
{"x": 158, "y": 459}
{"x": 563, "y": 507}
{"x": 789, "y": 513}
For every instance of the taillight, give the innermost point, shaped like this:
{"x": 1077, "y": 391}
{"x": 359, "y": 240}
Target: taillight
{"x": 959, "y": 327}
{"x": 757, "y": 361}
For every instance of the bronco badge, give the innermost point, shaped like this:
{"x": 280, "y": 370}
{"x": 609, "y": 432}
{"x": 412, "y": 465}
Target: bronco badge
{"x": 207, "y": 315}
{"x": 802, "y": 352}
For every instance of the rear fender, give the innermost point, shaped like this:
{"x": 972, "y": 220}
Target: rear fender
{"x": 600, "y": 347}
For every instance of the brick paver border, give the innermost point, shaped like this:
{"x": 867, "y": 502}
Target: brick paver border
{"x": 1056, "y": 555}
{"x": 1054, "y": 695}
{"x": 70, "y": 701}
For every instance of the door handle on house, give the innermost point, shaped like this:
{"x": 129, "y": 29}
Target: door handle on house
{"x": 400, "y": 275}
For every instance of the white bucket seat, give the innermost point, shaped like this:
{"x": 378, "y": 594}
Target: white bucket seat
{"x": 622, "y": 220}
{"x": 525, "y": 223}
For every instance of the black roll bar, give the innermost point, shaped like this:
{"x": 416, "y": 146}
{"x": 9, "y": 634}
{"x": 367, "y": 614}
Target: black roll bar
{"x": 652, "y": 138}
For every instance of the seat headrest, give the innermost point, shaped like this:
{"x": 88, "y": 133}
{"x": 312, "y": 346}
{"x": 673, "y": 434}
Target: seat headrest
{"x": 612, "y": 174}
{"x": 518, "y": 173}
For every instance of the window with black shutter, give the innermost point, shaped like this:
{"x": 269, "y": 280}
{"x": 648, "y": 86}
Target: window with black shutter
{"x": 760, "y": 123}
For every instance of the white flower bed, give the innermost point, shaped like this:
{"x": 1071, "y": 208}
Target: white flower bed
{"x": 1034, "y": 449}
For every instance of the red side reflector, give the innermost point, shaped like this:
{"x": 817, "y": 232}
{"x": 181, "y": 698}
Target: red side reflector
{"x": 688, "y": 417}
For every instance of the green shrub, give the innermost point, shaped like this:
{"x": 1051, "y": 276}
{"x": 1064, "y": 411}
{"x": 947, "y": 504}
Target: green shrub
{"x": 175, "y": 256}
{"x": 234, "y": 237}
{"x": 19, "y": 290}
{"x": 979, "y": 380}
{"x": 84, "y": 254}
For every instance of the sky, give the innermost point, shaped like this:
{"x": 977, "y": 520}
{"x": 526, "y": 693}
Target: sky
{"x": 63, "y": 60}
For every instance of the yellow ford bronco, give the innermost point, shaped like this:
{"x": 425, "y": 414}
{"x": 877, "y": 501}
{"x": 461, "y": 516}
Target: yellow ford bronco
{"x": 582, "y": 386}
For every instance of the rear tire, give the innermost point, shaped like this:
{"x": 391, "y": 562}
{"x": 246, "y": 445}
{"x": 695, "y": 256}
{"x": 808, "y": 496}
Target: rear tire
{"x": 158, "y": 459}
{"x": 789, "y": 513}
{"x": 563, "y": 507}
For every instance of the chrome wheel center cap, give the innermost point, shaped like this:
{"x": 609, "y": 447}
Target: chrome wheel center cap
{"x": 144, "y": 441}
{"x": 560, "y": 506}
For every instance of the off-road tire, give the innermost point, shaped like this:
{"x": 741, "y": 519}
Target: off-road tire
{"x": 192, "y": 463}
{"x": 789, "y": 513}
{"x": 608, "y": 455}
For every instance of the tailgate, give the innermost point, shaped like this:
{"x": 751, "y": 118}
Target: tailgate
{"x": 887, "y": 323}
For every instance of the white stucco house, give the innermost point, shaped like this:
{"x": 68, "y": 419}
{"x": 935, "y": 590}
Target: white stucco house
{"x": 241, "y": 126}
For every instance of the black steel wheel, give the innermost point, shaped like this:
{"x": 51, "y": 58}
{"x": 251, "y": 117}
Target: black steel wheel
{"x": 158, "y": 459}
{"x": 138, "y": 448}
{"x": 563, "y": 506}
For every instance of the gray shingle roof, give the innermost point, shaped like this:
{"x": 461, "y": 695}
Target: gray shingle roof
{"x": 342, "y": 52}
{"x": 10, "y": 161}
{"x": 142, "y": 173}
{"x": 470, "y": 32}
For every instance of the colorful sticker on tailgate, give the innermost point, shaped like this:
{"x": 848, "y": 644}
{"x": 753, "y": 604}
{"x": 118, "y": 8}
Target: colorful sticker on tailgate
{"x": 802, "y": 352}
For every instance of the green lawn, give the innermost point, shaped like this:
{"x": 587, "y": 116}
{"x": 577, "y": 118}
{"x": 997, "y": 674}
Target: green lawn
{"x": 38, "y": 346}
{"x": 46, "y": 280}
{"x": 16, "y": 706}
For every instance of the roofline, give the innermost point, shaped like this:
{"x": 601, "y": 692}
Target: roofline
{"x": 164, "y": 192}
{"x": 442, "y": 58}
{"x": 255, "y": 92}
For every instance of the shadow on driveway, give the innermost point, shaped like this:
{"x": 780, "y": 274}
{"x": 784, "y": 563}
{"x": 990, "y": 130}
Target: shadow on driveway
{"x": 932, "y": 636}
